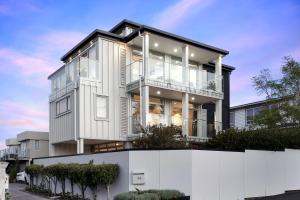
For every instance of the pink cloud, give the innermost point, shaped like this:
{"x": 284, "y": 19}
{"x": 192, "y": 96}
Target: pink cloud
{"x": 172, "y": 16}
{"x": 23, "y": 116}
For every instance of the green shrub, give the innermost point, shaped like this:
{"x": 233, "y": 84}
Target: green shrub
{"x": 150, "y": 194}
{"x": 136, "y": 196}
{"x": 275, "y": 139}
{"x": 33, "y": 171}
{"x": 160, "y": 137}
{"x": 13, "y": 171}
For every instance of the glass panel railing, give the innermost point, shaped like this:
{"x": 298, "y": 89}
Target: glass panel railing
{"x": 175, "y": 74}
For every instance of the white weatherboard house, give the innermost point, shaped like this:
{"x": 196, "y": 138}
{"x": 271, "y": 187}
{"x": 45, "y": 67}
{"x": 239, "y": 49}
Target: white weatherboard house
{"x": 135, "y": 74}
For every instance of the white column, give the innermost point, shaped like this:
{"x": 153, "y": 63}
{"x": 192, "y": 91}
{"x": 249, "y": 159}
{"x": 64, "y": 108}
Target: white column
{"x": 199, "y": 77}
{"x": 199, "y": 121}
{"x": 185, "y": 114}
{"x": 218, "y": 73}
{"x": 80, "y": 146}
{"x": 185, "y": 63}
{"x": 145, "y": 106}
{"x": 218, "y": 116}
{"x": 218, "y": 104}
{"x": 145, "y": 88}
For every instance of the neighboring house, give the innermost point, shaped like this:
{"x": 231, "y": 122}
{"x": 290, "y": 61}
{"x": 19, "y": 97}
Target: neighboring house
{"x": 135, "y": 74}
{"x": 27, "y": 145}
{"x": 242, "y": 116}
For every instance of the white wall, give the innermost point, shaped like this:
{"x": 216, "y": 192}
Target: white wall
{"x": 204, "y": 175}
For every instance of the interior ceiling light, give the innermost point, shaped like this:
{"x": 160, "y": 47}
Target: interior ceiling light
{"x": 158, "y": 92}
{"x": 193, "y": 98}
{"x": 156, "y": 44}
{"x": 192, "y": 54}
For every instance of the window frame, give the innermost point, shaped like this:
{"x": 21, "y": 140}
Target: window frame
{"x": 36, "y": 145}
{"x": 68, "y": 106}
{"x": 96, "y": 108}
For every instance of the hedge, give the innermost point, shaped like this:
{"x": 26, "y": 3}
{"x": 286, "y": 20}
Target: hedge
{"x": 85, "y": 175}
{"x": 150, "y": 195}
{"x": 276, "y": 139}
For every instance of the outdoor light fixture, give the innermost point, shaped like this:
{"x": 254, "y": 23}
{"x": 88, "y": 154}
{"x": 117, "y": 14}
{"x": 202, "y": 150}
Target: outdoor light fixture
{"x": 160, "y": 57}
{"x": 193, "y": 98}
{"x": 175, "y": 50}
{"x": 156, "y": 44}
{"x": 158, "y": 92}
{"x": 192, "y": 54}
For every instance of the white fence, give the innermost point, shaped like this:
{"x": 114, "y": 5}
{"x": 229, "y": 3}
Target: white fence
{"x": 204, "y": 175}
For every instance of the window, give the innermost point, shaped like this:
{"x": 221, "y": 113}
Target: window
{"x": 249, "y": 116}
{"x": 88, "y": 63}
{"x": 36, "y": 144}
{"x": 63, "y": 106}
{"x": 232, "y": 121}
{"x": 101, "y": 107}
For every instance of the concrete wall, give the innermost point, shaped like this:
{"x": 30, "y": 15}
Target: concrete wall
{"x": 204, "y": 175}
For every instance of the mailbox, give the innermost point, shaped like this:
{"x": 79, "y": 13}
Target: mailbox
{"x": 138, "y": 178}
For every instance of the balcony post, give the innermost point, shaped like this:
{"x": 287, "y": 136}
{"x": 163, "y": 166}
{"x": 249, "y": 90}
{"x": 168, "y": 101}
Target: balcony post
{"x": 145, "y": 89}
{"x": 185, "y": 114}
{"x": 218, "y": 73}
{"x": 80, "y": 146}
{"x": 199, "y": 122}
{"x": 218, "y": 116}
{"x": 199, "y": 77}
{"x": 185, "y": 63}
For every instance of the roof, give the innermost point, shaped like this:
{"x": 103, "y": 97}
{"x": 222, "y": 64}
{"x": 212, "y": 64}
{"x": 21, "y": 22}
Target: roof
{"x": 256, "y": 103}
{"x": 139, "y": 29}
{"x": 32, "y": 135}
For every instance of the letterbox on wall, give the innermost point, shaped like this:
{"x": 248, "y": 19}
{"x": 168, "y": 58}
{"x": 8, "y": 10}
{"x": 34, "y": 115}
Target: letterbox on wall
{"x": 138, "y": 178}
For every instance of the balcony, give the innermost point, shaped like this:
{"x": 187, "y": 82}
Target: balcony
{"x": 173, "y": 76}
{"x": 13, "y": 153}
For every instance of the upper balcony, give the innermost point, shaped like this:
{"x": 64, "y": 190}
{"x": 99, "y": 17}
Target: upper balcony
{"x": 168, "y": 64}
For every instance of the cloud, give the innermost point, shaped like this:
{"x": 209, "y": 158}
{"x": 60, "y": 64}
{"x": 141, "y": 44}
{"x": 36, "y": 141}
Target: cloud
{"x": 34, "y": 67}
{"x": 14, "y": 7}
{"x": 23, "y": 116}
{"x": 175, "y": 14}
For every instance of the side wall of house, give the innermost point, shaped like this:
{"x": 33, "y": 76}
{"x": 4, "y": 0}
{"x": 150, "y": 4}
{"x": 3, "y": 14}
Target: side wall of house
{"x": 111, "y": 60}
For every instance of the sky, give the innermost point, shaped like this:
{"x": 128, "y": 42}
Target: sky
{"x": 35, "y": 34}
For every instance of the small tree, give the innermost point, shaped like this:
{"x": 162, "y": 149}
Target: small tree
{"x": 33, "y": 171}
{"x": 61, "y": 175}
{"x": 109, "y": 174}
{"x": 93, "y": 174}
{"x": 83, "y": 179}
{"x": 284, "y": 92}
{"x": 52, "y": 171}
{"x": 72, "y": 175}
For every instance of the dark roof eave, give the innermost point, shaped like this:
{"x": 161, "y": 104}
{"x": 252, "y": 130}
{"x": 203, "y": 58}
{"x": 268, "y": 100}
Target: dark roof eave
{"x": 182, "y": 39}
{"x": 123, "y": 23}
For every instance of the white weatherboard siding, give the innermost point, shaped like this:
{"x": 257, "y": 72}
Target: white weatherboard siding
{"x": 108, "y": 85}
{"x": 61, "y": 127}
{"x": 205, "y": 175}
{"x": 240, "y": 118}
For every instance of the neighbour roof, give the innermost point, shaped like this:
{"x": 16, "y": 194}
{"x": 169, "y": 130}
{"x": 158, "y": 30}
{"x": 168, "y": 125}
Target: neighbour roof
{"x": 139, "y": 29}
{"x": 256, "y": 103}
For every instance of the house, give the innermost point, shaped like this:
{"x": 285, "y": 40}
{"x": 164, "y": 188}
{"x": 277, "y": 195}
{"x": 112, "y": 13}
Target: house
{"x": 242, "y": 116}
{"x": 26, "y": 146}
{"x": 114, "y": 81}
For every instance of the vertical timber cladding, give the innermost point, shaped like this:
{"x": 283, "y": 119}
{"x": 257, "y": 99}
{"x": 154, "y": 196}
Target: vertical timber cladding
{"x": 111, "y": 84}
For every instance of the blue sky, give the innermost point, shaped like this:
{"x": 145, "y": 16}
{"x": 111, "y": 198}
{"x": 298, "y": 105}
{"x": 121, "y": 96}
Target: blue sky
{"x": 35, "y": 34}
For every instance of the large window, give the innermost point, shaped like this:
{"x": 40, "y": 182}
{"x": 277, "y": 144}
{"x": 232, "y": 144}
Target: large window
{"x": 232, "y": 120}
{"x": 156, "y": 65}
{"x": 36, "y": 144}
{"x": 251, "y": 113}
{"x": 63, "y": 106}
{"x": 88, "y": 63}
{"x": 101, "y": 107}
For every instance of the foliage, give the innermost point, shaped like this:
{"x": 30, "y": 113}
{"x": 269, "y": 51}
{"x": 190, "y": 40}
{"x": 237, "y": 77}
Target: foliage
{"x": 33, "y": 171}
{"x": 13, "y": 171}
{"x": 260, "y": 139}
{"x": 150, "y": 194}
{"x": 160, "y": 137}
{"x": 285, "y": 92}
{"x": 85, "y": 175}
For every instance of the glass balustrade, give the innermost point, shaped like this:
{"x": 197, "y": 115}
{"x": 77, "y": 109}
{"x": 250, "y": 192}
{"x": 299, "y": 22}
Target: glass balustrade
{"x": 173, "y": 73}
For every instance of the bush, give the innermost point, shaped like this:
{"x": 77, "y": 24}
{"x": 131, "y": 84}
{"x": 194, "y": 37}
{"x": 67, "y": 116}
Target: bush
{"x": 33, "y": 171}
{"x": 150, "y": 195}
{"x": 160, "y": 137}
{"x": 13, "y": 171}
{"x": 260, "y": 139}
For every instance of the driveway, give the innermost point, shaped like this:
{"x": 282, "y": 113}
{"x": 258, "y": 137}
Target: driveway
{"x": 17, "y": 192}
